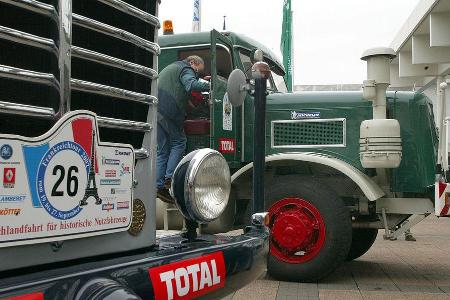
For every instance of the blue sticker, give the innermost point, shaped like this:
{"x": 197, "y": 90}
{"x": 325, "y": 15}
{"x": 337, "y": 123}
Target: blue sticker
{"x": 305, "y": 115}
{"x": 6, "y": 152}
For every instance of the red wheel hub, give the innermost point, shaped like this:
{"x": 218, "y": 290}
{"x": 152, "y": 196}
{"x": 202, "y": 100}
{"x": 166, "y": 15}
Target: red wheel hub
{"x": 297, "y": 230}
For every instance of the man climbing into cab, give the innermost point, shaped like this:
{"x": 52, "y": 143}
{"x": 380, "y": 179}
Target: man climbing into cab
{"x": 175, "y": 84}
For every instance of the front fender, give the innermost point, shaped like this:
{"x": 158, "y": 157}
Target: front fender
{"x": 370, "y": 189}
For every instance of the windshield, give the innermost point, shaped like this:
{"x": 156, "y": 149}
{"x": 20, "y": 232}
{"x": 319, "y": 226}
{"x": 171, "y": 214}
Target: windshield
{"x": 279, "y": 82}
{"x": 275, "y": 83}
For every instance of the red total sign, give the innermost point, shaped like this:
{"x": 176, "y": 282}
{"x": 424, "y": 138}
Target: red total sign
{"x": 227, "y": 145}
{"x": 189, "y": 278}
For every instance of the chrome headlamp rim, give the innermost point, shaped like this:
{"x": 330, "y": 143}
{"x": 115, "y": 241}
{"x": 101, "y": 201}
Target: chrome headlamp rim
{"x": 192, "y": 172}
{"x": 191, "y": 164}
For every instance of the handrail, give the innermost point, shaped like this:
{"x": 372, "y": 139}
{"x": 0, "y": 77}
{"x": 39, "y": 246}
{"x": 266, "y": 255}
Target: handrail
{"x": 141, "y": 153}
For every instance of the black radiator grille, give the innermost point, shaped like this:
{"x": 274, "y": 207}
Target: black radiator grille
{"x": 111, "y": 61}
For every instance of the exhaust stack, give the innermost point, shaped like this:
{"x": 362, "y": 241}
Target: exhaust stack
{"x": 380, "y": 143}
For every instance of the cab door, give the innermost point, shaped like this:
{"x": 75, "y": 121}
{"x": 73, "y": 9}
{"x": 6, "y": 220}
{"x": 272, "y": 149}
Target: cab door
{"x": 225, "y": 127}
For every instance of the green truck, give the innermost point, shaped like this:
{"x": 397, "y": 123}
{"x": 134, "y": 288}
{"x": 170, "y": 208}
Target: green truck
{"x": 339, "y": 165}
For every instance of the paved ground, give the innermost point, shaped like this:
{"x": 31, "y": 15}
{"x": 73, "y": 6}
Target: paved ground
{"x": 390, "y": 270}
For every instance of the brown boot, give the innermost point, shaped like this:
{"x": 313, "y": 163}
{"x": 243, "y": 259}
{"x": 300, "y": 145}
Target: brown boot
{"x": 164, "y": 195}
{"x": 168, "y": 183}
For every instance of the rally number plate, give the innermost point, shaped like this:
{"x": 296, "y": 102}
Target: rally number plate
{"x": 65, "y": 184}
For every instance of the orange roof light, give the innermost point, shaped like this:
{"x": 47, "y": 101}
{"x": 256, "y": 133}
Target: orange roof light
{"x": 167, "y": 27}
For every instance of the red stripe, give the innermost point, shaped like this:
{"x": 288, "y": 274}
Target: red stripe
{"x": 445, "y": 210}
{"x": 33, "y": 296}
{"x": 82, "y": 134}
{"x": 442, "y": 187}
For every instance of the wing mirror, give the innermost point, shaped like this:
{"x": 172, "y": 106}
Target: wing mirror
{"x": 237, "y": 87}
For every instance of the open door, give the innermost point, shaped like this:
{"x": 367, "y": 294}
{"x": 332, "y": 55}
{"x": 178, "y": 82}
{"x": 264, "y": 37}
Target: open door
{"x": 224, "y": 118}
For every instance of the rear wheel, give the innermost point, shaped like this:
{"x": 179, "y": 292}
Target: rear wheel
{"x": 362, "y": 240}
{"x": 310, "y": 230}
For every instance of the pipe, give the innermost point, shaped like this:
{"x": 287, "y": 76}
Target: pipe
{"x": 260, "y": 72}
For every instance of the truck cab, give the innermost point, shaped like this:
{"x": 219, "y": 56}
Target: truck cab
{"x": 335, "y": 171}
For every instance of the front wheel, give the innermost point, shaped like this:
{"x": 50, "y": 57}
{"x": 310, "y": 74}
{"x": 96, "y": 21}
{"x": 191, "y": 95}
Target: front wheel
{"x": 362, "y": 240}
{"x": 310, "y": 230}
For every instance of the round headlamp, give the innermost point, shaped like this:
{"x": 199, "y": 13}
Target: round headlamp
{"x": 201, "y": 185}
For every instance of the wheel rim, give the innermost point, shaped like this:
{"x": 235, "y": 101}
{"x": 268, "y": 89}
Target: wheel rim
{"x": 297, "y": 230}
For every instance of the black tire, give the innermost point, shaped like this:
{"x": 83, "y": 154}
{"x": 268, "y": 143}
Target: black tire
{"x": 338, "y": 229}
{"x": 362, "y": 240}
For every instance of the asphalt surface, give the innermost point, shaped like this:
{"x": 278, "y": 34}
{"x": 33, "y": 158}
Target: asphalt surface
{"x": 389, "y": 270}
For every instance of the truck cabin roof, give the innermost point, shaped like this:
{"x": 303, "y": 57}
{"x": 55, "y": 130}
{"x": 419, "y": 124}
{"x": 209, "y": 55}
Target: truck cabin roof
{"x": 201, "y": 38}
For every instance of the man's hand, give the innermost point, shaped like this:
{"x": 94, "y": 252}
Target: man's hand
{"x": 207, "y": 78}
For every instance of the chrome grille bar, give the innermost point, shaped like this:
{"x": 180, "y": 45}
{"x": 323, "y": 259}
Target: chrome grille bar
{"x": 30, "y": 76}
{"x": 28, "y": 39}
{"x": 26, "y": 110}
{"x": 141, "y": 153}
{"x": 123, "y": 124}
{"x": 133, "y": 11}
{"x": 113, "y": 62}
{"x": 115, "y": 32}
{"x": 104, "y": 90}
{"x": 35, "y": 6}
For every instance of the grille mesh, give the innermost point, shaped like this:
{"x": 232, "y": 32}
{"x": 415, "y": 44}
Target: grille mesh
{"x": 308, "y": 133}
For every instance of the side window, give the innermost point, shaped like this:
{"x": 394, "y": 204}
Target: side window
{"x": 224, "y": 65}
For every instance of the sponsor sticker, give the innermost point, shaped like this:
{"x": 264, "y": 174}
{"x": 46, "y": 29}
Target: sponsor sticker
{"x": 190, "y": 278}
{"x": 118, "y": 191}
{"x": 124, "y": 169}
{"x": 9, "y": 178}
{"x": 227, "y": 113}
{"x": 108, "y": 206}
{"x": 12, "y": 198}
{"x": 110, "y": 181}
{"x": 10, "y": 211}
{"x": 110, "y": 161}
{"x": 227, "y": 145}
{"x": 305, "y": 115}
{"x": 123, "y": 153}
{"x": 110, "y": 173}
{"x": 6, "y": 151}
{"x": 123, "y": 205}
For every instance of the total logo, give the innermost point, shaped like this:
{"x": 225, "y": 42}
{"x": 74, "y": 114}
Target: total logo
{"x": 188, "y": 279}
{"x": 227, "y": 145}
{"x": 9, "y": 178}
